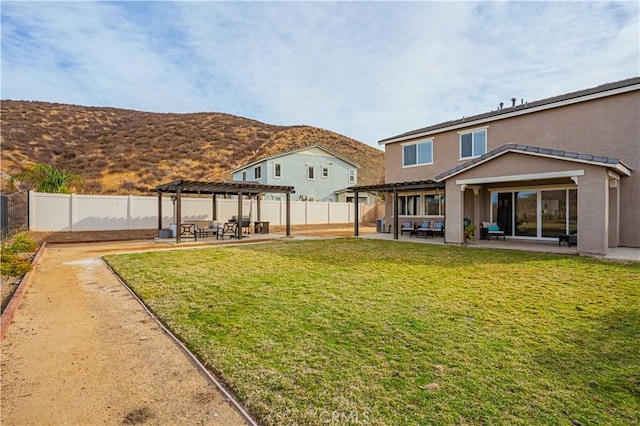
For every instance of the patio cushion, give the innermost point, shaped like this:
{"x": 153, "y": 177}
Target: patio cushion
{"x": 493, "y": 228}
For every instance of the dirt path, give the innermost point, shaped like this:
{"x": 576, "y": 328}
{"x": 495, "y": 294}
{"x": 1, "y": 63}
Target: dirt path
{"x": 82, "y": 351}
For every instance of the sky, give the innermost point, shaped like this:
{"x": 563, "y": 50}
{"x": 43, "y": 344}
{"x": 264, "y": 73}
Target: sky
{"x": 366, "y": 69}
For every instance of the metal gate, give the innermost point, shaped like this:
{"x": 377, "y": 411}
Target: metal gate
{"x": 14, "y": 213}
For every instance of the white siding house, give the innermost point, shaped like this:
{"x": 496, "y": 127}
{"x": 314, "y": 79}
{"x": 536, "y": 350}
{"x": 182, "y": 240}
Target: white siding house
{"x": 315, "y": 172}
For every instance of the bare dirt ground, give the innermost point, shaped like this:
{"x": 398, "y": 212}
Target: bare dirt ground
{"x": 82, "y": 351}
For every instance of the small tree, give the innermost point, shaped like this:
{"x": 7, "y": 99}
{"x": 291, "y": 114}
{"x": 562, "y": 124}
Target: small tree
{"x": 46, "y": 178}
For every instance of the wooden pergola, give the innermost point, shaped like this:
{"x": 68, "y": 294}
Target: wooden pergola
{"x": 394, "y": 188}
{"x": 250, "y": 189}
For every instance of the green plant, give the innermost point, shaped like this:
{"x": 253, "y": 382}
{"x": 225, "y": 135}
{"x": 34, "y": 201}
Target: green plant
{"x": 469, "y": 230}
{"x": 20, "y": 244}
{"x": 12, "y": 264}
{"x": 46, "y": 178}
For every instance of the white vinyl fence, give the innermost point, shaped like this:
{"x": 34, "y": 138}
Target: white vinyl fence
{"x": 64, "y": 212}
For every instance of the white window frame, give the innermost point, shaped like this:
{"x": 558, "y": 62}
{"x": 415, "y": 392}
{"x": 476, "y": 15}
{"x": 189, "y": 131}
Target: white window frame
{"x": 324, "y": 169}
{"x": 416, "y": 143}
{"x": 244, "y": 176}
{"x": 472, "y": 132}
{"x": 352, "y": 175}
{"x": 257, "y": 172}
{"x": 312, "y": 175}
{"x": 277, "y": 167}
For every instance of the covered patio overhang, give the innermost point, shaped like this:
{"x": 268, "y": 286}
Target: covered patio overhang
{"x": 396, "y": 189}
{"x": 241, "y": 189}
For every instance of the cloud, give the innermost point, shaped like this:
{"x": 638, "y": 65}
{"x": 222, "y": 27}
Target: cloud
{"x": 368, "y": 70}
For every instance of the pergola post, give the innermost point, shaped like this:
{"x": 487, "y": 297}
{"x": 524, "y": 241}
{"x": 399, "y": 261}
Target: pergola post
{"x": 288, "y": 216}
{"x": 178, "y": 214}
{"x": 214, "y": 207}
{"x": 239, "y": 218}
{"x": 159, "y": 213}
{"x": 258, "y": 212}
{"x": 396, "y": 219}
{"x": 356, "y": 228}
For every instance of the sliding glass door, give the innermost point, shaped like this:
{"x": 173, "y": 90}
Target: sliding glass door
{"x": 536, "y": 213}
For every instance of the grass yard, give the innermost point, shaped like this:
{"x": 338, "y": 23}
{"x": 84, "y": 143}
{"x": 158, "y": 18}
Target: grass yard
{"x": 353, "y": 331}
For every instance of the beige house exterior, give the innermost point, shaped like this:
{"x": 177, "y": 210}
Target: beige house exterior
{"x": 564, "y": 165}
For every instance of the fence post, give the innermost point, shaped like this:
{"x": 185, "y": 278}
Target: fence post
{"x": 32, "y": 209}
{"x": 72, "y": 211}
{"x": 130, "y": 211}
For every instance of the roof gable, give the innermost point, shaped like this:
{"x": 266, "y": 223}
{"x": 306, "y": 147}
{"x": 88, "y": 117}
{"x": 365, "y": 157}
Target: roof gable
{"x": 612, "y": 163}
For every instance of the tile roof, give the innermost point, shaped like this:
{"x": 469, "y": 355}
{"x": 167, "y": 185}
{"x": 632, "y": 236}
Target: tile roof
{"x": 534, "y": 150}
{"x": 523, "y": 107}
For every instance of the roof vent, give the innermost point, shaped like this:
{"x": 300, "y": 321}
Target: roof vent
{"x": 513, "y": 102}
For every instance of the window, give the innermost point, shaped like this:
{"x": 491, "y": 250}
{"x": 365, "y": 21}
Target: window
{"x": 473, "y": 144}
{"x": 434, "y": 205}
{"x": 257, "y": 172}
{"x": 352, "y": 175}
{"x": 311, "y": 172}
{"x": 408, "y": 205}
{"x": 418, "y": 153}
{"x": 325, "y": 172}
{"x": 277, "y": 170}
{"x": 244, "y": 176}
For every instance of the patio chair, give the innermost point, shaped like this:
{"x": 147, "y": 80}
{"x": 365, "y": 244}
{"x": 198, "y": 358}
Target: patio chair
{"x": 205, "y": 228}
{"x": 438, "y": 227}
{"x": 188, "y": 230}
{"x": 491, "y": 229}
{"x": 230, "y": 229}
{"x": 407, "y": 226}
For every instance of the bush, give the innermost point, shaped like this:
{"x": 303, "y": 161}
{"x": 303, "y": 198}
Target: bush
{"x": 21, "y": 244}
{"x": 12, "y": 264}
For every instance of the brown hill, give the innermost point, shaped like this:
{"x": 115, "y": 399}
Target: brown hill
{"x": 119, "y": 151}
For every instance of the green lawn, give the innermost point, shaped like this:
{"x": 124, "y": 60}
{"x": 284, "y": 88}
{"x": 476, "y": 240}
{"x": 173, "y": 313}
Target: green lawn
{"x": 353, "y": 331}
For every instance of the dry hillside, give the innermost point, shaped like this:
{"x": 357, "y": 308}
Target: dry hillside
{"x": 119, "y": 151}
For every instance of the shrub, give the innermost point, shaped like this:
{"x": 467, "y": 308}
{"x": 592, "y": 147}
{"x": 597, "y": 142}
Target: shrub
{"x": 12, "y": 264}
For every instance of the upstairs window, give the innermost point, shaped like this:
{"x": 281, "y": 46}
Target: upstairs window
{"x": 277, "y": 170}
{"x": 417, "y": 153}
{"x": 352, "y": 175}
{"x": 325, "y": 172}
{"x": 311, "y": 172}
{"x": 244, "y": 176}
{"x": 257, "y": 172}
{"x": 473, "y": 144}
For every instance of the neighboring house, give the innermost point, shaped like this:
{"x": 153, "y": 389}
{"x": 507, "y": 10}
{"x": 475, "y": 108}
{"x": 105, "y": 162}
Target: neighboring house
{"x": 316, "y": 172}
{"x": 563, "y": 165}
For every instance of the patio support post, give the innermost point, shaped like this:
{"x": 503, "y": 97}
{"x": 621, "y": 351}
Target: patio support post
{"x": 396, "y": 220}
{"x": 159, "y": 212}
{"x": 239, "y": 218}
{"x": 214, "y": 206}
{"x": 258, "y": 212}
{"x": 288, "y": 218}
{"x": 356, "y": 214}
{"x": 178, "y": 214}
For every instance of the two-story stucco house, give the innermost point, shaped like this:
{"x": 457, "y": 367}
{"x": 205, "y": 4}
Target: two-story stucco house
{"x": 315, "y": 172}
{"x": 564, "y": 165}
